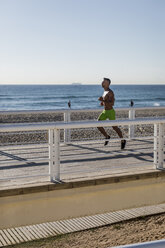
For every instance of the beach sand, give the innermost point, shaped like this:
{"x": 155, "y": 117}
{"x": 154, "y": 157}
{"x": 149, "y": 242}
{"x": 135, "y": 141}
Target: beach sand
{"x": 81, "y": 134}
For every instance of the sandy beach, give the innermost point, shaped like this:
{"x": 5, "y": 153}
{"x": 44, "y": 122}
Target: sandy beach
{"x": 81, "y": 134}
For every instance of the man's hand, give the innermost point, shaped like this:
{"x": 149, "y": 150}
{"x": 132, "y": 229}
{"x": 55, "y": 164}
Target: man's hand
{"x": 100, "y": 98}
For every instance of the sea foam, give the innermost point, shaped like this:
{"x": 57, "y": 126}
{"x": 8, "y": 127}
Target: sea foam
{"x": 156, "y": 104}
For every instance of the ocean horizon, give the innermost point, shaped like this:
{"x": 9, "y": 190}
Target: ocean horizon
{"x": 82, "y": 96}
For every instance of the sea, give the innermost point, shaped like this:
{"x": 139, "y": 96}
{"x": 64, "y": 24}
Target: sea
{"x": 55, "y": 97}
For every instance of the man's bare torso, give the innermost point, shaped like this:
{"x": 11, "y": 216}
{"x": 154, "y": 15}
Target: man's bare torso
{"x": 108, "y": 100}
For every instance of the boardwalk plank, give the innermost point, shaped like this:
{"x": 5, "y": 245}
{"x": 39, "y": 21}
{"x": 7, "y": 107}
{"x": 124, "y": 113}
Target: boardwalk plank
{"x": 38, "y": 231}
{"x": 25, "y": 233}
{"x": 8, "y": 235}
{"x": 69, "y": 224}
{"x": 77, "y": 224}
{"x": 61, "y": 227}
{"x": 17, "y": 234}
{"x": 28, "y": 233}
{"x": 4, "y": 239}
{"x": 54, "y": 227}
{"x": 13, "y": 235}
{"x": 35, "y": 232}
{"x": 50, "y": 229}
{"x": 44, "y": 229}
{"x": 22, "y": 234}
{"x": 125, "y": 214}
{"x": 96, "y": 221}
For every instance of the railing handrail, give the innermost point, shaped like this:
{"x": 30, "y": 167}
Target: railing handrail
{"x": 77, "y": 124}
{"x": 7, "y": 112}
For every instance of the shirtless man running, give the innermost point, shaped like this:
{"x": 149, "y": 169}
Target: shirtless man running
{"x": 107, "y": 100}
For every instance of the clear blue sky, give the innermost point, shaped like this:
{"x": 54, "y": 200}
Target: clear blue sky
{"x": 65, "y": 41}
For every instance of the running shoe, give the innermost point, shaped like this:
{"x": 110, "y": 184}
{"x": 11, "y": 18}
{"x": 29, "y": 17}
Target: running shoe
{"x": 106, "y": 141}
{"x": 123, "y": 143}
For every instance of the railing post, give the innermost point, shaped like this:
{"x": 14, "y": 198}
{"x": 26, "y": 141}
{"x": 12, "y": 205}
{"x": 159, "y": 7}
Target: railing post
{"x": 155, "y": 146}
{"x": 57, "y": 154}
{"x": 161, "y": 147}
{"x": 131, "y": 127}
{"x": 51, "y": 160}
{"x": 67, "y": 131}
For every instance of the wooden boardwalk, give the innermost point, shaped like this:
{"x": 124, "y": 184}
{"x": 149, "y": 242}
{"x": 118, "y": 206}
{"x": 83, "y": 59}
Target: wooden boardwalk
{"x": 79, "y": 161}
{"x": 16, "y": 235}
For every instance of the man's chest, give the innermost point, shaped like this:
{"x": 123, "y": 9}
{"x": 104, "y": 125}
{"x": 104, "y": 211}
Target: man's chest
{"x": 105, "y": 94}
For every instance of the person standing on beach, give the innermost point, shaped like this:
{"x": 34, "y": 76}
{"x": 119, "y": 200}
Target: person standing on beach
{"x": 107, "y": 100}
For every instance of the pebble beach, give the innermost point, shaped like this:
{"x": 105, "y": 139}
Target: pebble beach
{"x": 81, "y": 134}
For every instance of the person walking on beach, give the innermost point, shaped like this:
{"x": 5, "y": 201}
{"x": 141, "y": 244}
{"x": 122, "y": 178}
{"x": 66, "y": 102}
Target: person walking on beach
{"x": 107, "y": 100}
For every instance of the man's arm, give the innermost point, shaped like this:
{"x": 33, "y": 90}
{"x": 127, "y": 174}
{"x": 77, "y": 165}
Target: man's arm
{"x": 100, "y": 98}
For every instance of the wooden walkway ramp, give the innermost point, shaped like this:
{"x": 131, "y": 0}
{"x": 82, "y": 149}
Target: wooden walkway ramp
{"x": 22, "y": 234}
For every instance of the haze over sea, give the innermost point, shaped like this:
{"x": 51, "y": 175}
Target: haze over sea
{"x": 48, "y": 97}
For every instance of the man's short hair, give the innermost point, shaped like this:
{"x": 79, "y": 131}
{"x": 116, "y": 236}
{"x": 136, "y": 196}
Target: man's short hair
{"x": 107, "y": 79}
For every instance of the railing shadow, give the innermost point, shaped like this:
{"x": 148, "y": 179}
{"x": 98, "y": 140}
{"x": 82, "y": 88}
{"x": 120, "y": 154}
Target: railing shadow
{"x": 18, "y": 158}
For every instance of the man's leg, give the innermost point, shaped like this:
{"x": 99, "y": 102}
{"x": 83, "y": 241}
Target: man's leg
{"x": 102, "y": 130}
{"x": 119, "y": 132}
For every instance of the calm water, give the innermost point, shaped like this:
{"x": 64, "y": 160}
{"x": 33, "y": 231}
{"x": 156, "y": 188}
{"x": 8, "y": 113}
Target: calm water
{"x": 43, "y": 97}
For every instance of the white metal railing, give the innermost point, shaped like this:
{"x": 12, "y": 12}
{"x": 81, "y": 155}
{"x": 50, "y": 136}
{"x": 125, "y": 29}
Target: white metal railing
{"x": 67, "y": 115}
{"x": 54, "y": 137}
{"x": 152, "y": 244}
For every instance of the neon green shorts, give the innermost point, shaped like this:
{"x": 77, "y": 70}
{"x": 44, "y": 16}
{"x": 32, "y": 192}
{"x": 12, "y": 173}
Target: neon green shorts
{"x": 107, "y": 114}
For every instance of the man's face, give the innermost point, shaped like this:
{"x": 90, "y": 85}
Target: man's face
{"x": 105, "y": 84}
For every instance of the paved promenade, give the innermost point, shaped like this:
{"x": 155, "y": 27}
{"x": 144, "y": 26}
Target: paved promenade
{"x": 79, "y": 161}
